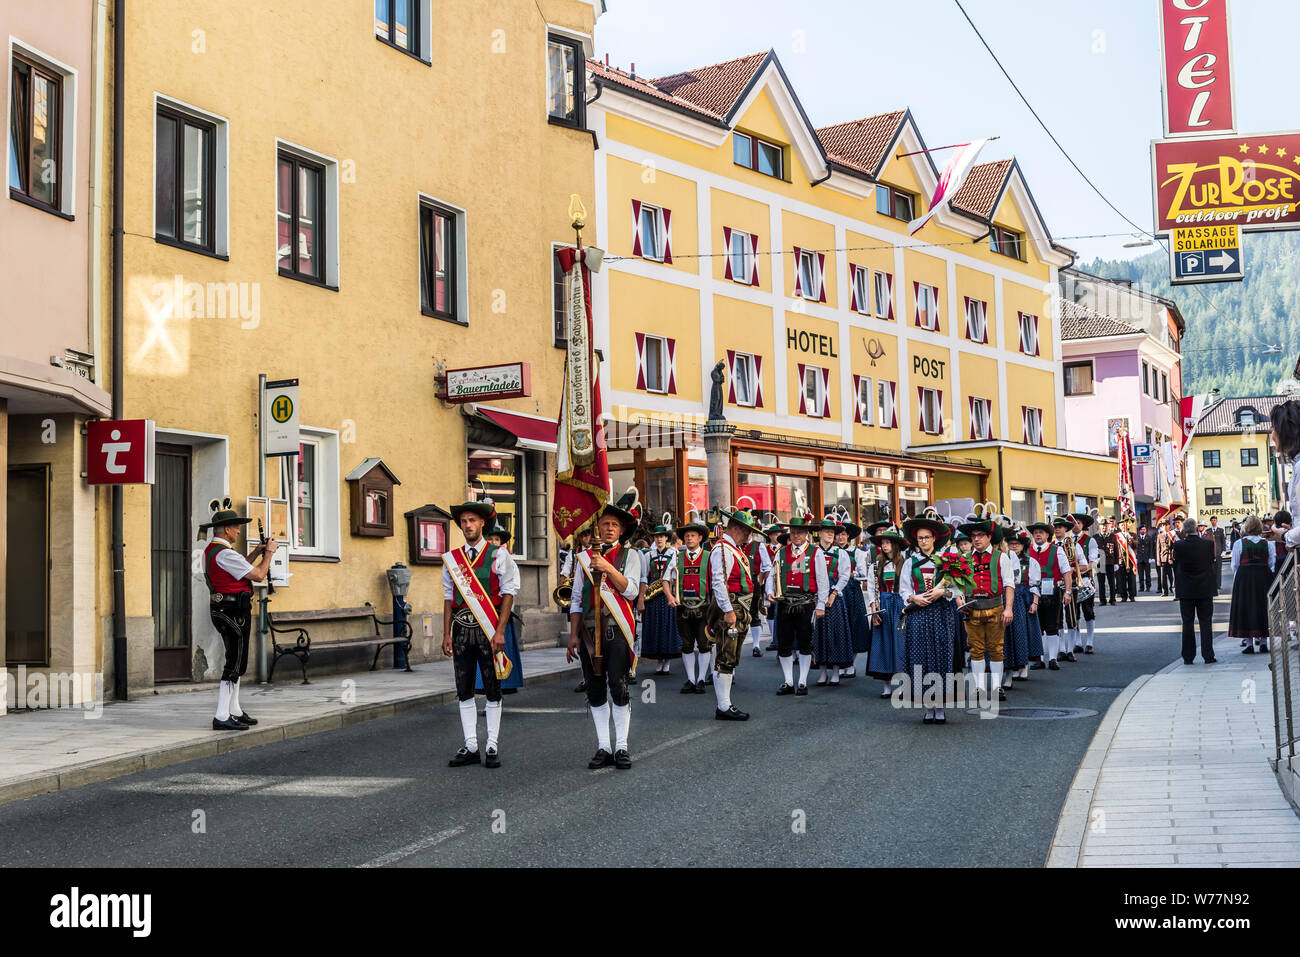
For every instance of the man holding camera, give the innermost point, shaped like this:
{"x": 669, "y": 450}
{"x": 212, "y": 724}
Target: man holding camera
{"x": 230, "y": 576}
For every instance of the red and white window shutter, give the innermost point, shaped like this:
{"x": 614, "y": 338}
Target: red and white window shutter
{"x": 1031, "y": 422}
{"x": 672, "y": 366}
{"x": 753, "y": 268}
{"x": 726, "y": 267}
{"x": 821, "y": 276}
{"x": 758, "y": 382}
{"x": 636, "y": 229}
{"x": 860, "y": 416}
{"x": 665, "y": 234}
{"x": 926, "y": 315}
{"x": 977, "y": 327}
{"x": 825, "y": 395}
{"x": 640, "y": 360}
{"x": 803, "y": 388}
{"x": 1028, "y": 334}
{"x": 670, "y": 346}
{"x": 889, "y": 414}
{"x": 931, "y": 418}
{"x": 798, "y": 280}
{"x": 981, "y": 418}
{"x": 667, "y": 215}
{"x": 729, "y": 271}
{"x": 889, "y": 296}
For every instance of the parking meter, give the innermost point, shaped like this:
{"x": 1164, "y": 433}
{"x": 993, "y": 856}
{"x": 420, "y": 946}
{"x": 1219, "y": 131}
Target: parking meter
{"x": 399, "y": 582}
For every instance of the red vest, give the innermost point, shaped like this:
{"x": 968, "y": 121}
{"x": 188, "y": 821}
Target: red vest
{"x": 739, "y": 581}
{"x": 693, "y": 581}
{"x": 220, "y": 581}
{"x": 988, "y": 574}
{"x": 1047, "y": 562}
{"x": 798, "y": 575}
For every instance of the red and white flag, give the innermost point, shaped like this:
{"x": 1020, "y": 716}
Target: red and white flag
{"x": 581, "y": 465}
{"x": 1127, "y": 507}
{"x": 950, "y": 180}
{"x": 1190, "y": 409}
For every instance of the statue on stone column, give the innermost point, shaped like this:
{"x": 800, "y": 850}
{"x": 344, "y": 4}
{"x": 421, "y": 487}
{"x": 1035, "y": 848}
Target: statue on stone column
{"x": 715, "y": 397}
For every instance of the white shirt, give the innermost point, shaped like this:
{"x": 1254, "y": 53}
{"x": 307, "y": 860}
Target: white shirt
{"x": 1292, "y": 537}
{"x": 905, "y": 587}
{"x": 1006, "y": 568}
{"x": 721, "y": 562}
{"x": 1046, "y": 584}
{"x": 1035, "y": 573}
{"x": 821, "y": 573}
{"x": 232, "y": 563}
{"x": 770, "y": 587}
{"x": 670, "y": 570}
{"x": 631, "y": 570}
{"x": 503, "y": 564}
{"x": 1236, "y": 552}
{"x": 864, "y": 572}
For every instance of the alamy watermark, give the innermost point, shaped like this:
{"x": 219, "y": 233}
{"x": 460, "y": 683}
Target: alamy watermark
{"x": 38, "y": 690}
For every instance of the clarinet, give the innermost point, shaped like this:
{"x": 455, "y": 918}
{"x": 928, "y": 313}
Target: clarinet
{"x": 261, "y": 533}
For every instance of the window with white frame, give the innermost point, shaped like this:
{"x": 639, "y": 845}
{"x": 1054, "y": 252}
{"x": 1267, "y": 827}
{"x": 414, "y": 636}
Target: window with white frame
{"x": 860, "y": 290}
{"x": 653, "y": 363}
{"x": 310, "y": 481}
{"x": 1028, "y": 333}
{"x": 809, "y": 274}
{"x": 190, "y": 178}
{"x": 42, "y": 131}
{"x": 1146, "y": 378}
{"x": 884, "y": 286}
{"x": 1031, "y": 422}
{"x": 864, "y": 400}
{"x": 307, "y": 203}
{"x": 744, "y": 379}
{"x": 977, "y": 329}
{"x": 566, "y": 82}
{"x": 741, "y": 263}
{"x": 888, "y": 404}
{"x": 927, "y": 305}
{"x": 652, "y": 239}
{"x": 814, "y": 391}
{"x": 981, "y": 418}
{"x": 930, "y": 410}
{"x": 442, "y": 262}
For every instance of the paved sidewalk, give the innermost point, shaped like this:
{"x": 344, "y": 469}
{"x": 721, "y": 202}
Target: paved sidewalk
{"x": 53, "y": 749}
{"x": 1178, "y": 774}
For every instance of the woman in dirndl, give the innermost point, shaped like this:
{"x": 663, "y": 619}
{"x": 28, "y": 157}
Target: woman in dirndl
{"x": 832, "y": 640}
{"x": 856, "y": 594}
{"x": 885, "y": 659}
{"x": 1253, "y": 564}
{"x": 514, "y": 627}
{"x": 660, "y": 640}
{"x": 1017, "y": 650}
{"x": 930, "y": 624}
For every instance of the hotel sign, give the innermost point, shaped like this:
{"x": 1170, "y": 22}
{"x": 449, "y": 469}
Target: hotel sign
{"x": 1252, "y": 182}
{"x": 507, "y": 381}
{"x": 1196, "y": 79}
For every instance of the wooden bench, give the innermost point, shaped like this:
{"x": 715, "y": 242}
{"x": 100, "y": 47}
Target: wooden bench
{"x": 287, "y": 623}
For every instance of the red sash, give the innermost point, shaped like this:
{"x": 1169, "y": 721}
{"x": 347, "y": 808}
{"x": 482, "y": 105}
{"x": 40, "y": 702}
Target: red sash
{"x": 471, "y": 590}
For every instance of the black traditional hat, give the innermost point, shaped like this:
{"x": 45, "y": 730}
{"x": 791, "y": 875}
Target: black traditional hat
{"x": 941, "y": 530}
{"x": 485, "y": 509}
{"x": 888, "y": 531}
{"x": 627, "y": 510}
{"x": 855, "y": 531}
{"x": 1062, "y": 521}
{"x": 222, "y": 515}
{"x": 1083, "y": 518}
{"x": 741, "y": 516}
{"x": 501, "y": 532}
{"x": 1034, "y": 526}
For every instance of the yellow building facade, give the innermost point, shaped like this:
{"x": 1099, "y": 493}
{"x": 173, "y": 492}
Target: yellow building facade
{"x": 1230, "y": 462}
{"x": 363, "y": 204}
{"x": 864, "y": 367}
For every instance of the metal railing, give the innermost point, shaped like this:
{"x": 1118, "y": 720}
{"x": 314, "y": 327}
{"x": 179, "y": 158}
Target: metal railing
{"x": 1283, "y": 615}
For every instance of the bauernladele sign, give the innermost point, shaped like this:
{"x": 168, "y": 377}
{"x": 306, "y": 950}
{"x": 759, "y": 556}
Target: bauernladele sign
{"x": 1252, "y": 182}
{"x": 508, "y": 381}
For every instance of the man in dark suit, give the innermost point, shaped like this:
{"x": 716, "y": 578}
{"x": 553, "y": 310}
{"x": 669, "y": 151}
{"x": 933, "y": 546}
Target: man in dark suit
{"x": 1109, "y": 556}
{"x": 1145, "y": 549}
{"x": 1194, "y": 587}
{"x": 1219, "y": 544}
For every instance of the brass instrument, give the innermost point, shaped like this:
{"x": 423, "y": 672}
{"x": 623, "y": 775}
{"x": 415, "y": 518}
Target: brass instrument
{"x": 563, "y": 593}
{"x": 597, "y": 654}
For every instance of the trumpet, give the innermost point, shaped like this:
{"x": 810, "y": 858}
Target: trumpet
{"x": 563, "y": 593}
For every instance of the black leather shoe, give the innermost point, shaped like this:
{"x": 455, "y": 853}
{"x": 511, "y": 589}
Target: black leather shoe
{"x": 582, "y": 686}
{"x": 622, "y": 760}
{"x": 699, "y": 687}
{"x": 1068, "y": 656}
{"x": 1036, "y": 666}
{"x": 688, "y": 687}
{"x": 758, "y": 652}
{"x": 491, "y": 759}
{"x": 801, "y": 690}
{"x": 1088, "y": 650}
{"x": 927, "y": 719}
{"x": 1078, "y": 648}
{"x": 939, "y": 720}
{"x": 1210, "y": 661}
{"x": 785, "y": 689}
{"x": 1002, "y": 694}
{"x": 731, "y": 714}
{"x": 230, "y": 724}
{"x": 601, "y": 759}
{"x": 1053, "y": 666}
{"x": 1248, "y": 650}
{"x": 244, "y": 719}
{"x": 463, "y": 757}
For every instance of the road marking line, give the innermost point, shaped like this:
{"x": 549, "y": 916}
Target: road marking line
{"x": 543, "y": 711}
{"x": 666, "y": 745}
{"x": 392, "y": 857}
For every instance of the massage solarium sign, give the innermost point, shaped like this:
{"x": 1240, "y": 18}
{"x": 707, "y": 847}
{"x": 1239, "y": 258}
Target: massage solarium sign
{"x": 1204, "y": 173}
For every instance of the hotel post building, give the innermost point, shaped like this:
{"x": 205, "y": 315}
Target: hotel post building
{"x": 864, "y": 368}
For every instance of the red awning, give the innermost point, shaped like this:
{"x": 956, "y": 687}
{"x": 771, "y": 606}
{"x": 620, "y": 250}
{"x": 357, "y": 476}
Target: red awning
{"x": 531, "y": 431}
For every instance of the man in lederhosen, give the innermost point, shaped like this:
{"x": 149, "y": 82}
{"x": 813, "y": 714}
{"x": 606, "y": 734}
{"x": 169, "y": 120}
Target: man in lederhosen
{"x": 692, "y": 584}
{"x": 568, "y": 569}
{"x": 618, "y": 568}
{"x": 1087, "y": 554}
{"x": 1054, "y": 586}
{"x": 991, "y": 606}
{"x": 230, "y": 577}
{"x": 793, "y": 591}
{"x": 731, "y": 583}
{"x": 479, "y": 584}
{"x": 760, "y": 565}
{"x": 773, "y": 542}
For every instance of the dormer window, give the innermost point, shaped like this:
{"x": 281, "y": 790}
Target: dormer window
{"x": 1247, "y": 417}
{"x": 895, "y": 203}
{"x": 758, "y": 155}
{"x": 1008, "y": 242}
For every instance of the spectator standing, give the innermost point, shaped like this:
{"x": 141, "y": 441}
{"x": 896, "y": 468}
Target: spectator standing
{"x": 1194, "y": 588}
{"x": 1145, "y": 552}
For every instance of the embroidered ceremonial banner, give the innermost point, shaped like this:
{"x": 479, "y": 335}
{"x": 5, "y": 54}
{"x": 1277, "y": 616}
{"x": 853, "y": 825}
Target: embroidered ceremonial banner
{"x": 581, "y": 464}
{"x": 471, "y": 589}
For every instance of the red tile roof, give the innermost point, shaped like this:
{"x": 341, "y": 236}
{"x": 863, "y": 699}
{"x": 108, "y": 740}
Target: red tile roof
{"x": 713, "y": 88}
{"x": 980, "y": 191}
{"x": 609, "y": 74}
{"x": 1081, "y": 322}
{"x": 861, "y": 144}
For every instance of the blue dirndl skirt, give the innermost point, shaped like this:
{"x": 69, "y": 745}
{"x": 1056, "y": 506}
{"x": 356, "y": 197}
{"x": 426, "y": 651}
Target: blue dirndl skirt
{"x": 1015, "y": 648}
{"x": 859, "y": 618}
{"x": 659, "y": 636}
{"x": 928, "y": 640}
{"x": 832, "y": 643}
{"x": 516, "y": 679}
{"x": 886, "y": 657}
{"x": 1033, "y": 629}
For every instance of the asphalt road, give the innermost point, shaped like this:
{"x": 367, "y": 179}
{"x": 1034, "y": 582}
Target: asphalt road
{"x": 835, "y": 778}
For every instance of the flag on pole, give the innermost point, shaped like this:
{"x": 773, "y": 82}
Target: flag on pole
{"x": 950, "y": 180}
{"x": 1190, "y": 409}
{"x": 1127, "y": 508}
{"x": 581, "y": 464}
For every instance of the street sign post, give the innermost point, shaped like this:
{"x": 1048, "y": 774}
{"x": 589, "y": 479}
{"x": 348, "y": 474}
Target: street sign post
{"x": 1206, "y": 254}
{"x": 1141, "y": 455}
{"x": 280, "y": 418}
{"x": 120, "y": 452}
